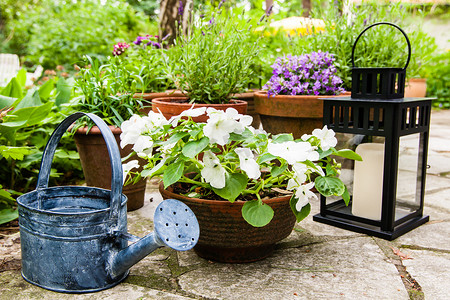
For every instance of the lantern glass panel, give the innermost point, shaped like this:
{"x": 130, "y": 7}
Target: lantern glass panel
{"x": 364, "y": 180}
{"x": 408, "y": 176}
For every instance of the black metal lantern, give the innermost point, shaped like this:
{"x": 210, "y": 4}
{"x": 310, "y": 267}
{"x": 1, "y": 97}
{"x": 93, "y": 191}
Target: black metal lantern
{"x": 383, "y": 83}
{"x": 391, "y": 135}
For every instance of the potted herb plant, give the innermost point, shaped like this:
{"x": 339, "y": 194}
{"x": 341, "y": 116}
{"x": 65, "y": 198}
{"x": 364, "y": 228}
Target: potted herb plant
{"x": 142, "y": 60}
{"x": 291, "y": 102}
{"x": 105, "y": 91}
{"x": 246, "y": 187}
{"x": 210, "y": 64}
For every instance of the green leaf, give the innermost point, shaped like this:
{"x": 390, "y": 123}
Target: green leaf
{"x": 303, "y": 213}
{"x": 13, "y": 89}
{"x": 27, "y": 116}
{"x": 64, "y": 91}
{"x": 22, "y": 77}
{"x": 173, "y": 173}
{"x": 266, "y": 157}
{"x": 16, "y": 153}
{"x": 347, "y": 153}
{"x": 8, "y": 214}
{"x": 277, "y": 170}
{"x": 193, "y": 148}
{"x": 6, "y": 101}
{"x": 193, "y": 133}
{"x": 257, "y": 213}
{"x": 235, "y": 184}
{"x": 31, "y": 99}
{"x": 46, "y": 89}
{"x": 323, "y": 154}
{"x": 346, "y": 197}
{"x": 329, "y": 186}
{"x": 283, "y": 137}
{"x": 175, "y": 138}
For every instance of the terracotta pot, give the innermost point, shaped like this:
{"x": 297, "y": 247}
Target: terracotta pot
{"x": 173, "y": 106}
{"x": 249, "y": 98}
{"x": 224, "y": 234}
{"x": 148, "y": 97}
{"x": 290, "y": 114}
{"x": 96, "y": 164}
{"x": 416, "y": 87}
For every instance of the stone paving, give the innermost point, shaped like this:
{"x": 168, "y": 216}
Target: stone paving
{"x": 316, "y": 261}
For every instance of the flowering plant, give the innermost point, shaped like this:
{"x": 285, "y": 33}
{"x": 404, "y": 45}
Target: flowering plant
{"x": 142, "y": 59}
{"x": 227, "y": 159}
{"x": 214, "y": 60}
{"x": 308, "y": 74}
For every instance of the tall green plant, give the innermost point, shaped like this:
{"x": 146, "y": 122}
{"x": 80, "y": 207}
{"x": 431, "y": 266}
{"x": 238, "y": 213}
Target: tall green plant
{"x": 214, "y": 60}
{"x": 106, "y": 91}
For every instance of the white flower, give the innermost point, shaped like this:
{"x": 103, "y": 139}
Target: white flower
{"x": 221, "y": 123}
{"x": 213, "y": 172}
{"x": 300, "y": 172}
{"x": 191, "y": 112}
{"x": 126, "y": 168}
{"x": 155, "y": 120}
{"x": 293, "y": 152}
{"x": 131, "y": 130}
{"x": 302, "y": 193}
{"x": 143, "y": 146}
{"x": 247, "y": 162}
{"x": 326, "y": 137}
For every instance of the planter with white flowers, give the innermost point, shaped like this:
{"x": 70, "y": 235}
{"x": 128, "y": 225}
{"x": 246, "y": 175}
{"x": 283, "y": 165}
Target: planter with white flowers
{"x": 246, "y": 187}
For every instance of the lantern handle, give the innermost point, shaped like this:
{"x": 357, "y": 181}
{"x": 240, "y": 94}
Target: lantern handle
{"x": 383, "y": 23}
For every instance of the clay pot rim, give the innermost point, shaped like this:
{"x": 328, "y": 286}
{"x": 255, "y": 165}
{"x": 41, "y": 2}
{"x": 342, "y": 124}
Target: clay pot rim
{"x": 168, "y": 100}
{"x": 153, "y": 95}
{"x": 416, "y": 80}
{"x": 170, "y": 193}
{"x": 263, "y": 94}
{"x": 96, "y": 130}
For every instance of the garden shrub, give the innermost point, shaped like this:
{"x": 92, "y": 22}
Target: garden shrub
{"x": 52, "y": 32}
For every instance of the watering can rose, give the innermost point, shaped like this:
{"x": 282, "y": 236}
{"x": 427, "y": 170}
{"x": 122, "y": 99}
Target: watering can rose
{"x": 229, "y": 159}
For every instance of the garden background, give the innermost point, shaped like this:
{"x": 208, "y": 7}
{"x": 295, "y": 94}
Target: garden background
{"x": 58, "y": 34}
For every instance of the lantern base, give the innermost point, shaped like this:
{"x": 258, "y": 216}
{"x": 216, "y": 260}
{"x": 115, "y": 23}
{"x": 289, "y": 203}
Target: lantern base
{"x": 370, "y": 229}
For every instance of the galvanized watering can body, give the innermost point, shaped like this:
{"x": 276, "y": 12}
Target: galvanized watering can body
{"x": 75, "y": 240}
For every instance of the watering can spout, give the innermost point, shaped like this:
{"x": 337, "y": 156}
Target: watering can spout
{"x": 175, "y": 226}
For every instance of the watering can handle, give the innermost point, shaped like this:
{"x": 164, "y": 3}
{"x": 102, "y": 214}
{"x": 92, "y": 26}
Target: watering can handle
{"x": 113, "y": 150}
{"x": 382, "y": 23}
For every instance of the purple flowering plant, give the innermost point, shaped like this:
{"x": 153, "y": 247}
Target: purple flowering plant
{"x": 307, "y": 74}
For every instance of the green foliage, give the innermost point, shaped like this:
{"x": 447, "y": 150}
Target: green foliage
{"x": 213, "y": 61}
{"x": 106, "y": 91}
{"x": 26, "y": 121}
{"x": 340, "y": 32}
{"x": 52, "y": 32}
{"x": 256, "y": 213}
{"x": 145, "y": 66}
{"x": 437, "y": 72}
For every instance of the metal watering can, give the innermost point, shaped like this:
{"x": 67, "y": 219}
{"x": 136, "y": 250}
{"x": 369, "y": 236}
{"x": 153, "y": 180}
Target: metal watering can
{"x": 74, "y": 239}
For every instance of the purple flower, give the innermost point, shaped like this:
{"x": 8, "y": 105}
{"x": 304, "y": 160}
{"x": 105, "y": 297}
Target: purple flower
{"x": 147, "y": 40}
{"x": 180, "y": 9}
{"x": 306, "y": 74}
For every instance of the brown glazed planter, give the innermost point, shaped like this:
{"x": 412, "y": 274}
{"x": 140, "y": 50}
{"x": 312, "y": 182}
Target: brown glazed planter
{"x": 298, "y": 114}
{"x": 96, "y": 164}
{"x": 416, "y": 87}
{"x": 148, "y": 97}
{"x": 173, "y": 106}
{"x": 224, "y": 234}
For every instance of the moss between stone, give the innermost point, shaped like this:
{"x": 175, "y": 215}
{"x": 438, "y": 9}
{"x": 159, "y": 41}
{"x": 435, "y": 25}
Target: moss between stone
{"x": 152, "y": 281}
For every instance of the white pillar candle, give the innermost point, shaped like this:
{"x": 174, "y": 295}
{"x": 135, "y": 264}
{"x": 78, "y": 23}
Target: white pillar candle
{"x": 368, "y": 181}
